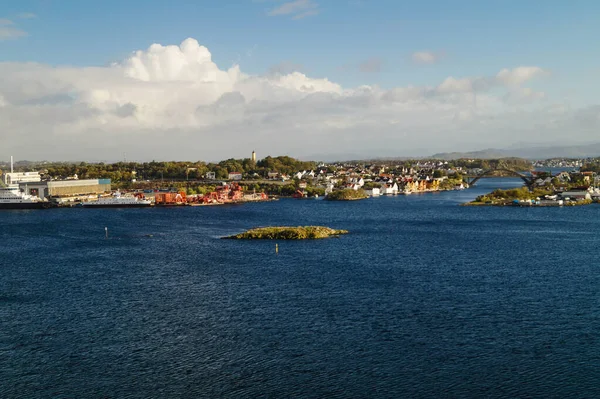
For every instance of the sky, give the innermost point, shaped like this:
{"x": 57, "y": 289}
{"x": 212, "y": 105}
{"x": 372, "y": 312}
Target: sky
{"x": 313, "y": 79}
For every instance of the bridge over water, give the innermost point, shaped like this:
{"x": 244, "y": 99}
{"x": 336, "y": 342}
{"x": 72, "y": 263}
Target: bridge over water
{"x": 527, "y": 179}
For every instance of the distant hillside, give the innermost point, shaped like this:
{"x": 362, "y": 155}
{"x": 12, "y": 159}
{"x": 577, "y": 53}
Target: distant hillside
{"x": 482, "y": 154}
{"x": 576, "y": 151}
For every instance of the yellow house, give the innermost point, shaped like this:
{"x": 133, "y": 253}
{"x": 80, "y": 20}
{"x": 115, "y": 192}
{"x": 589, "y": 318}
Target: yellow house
{"x": 411, "y": 186}
{"x": 433, "y": 185}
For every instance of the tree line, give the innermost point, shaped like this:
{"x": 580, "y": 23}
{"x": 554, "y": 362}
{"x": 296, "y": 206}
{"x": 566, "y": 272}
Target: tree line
{"x": 171, "y": 170}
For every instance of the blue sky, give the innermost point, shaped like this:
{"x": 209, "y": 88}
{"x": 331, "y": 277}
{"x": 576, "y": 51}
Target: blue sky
{"x": 476, "y": 37}
{"x": 350, "y": 42}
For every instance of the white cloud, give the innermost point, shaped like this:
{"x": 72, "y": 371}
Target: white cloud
{"x": 9, "y": 31}
{"x": 175, "y": 102}
{"x": 523, "y": 95}
{"x": 453, "y": 85}
{"x": 520, "y": 75}
{"x": 298, "y": 9}
{"x": 426, "y": 57}
{"x": 405, "y": 94}
{"x": 186, "y": 62}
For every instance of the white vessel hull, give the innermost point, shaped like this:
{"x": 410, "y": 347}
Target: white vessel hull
{"x": 23, "y": 205}
{"x": 139, "y": 204}
{"x": 12, "y": 198}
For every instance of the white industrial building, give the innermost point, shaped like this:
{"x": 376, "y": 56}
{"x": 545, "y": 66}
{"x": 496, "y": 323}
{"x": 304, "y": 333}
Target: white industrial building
{"x": 12, "y": 178}
{"x": 66, "y": 189}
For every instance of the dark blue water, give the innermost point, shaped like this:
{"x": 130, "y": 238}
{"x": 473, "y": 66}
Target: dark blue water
{"x": 423, "y": 298}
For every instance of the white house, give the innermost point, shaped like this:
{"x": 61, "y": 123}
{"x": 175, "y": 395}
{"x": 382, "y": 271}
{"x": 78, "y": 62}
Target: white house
{"x": 389, "y": 189}
{"x": 235, "y": 176}
{"x": 374, "y": 192}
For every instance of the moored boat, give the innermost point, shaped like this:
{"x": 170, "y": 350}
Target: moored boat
{"x": 12, "y": 198}
{"x": 118, "y": 201}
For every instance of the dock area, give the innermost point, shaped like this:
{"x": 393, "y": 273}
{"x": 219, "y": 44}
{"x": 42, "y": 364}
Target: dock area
{"x": 222, "y": 195}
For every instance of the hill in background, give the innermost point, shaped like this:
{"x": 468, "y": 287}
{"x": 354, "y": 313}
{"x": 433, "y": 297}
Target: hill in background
{"x": 576, "y": 151}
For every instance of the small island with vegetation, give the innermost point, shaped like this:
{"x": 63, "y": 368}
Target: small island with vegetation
{"x": 347, "y": 194}
{"x": 288, "y": 233}
{"x": 564, "y": 189}
{"x": 507, "y": 197}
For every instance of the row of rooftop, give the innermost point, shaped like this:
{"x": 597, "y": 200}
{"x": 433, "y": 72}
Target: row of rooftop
{"x": 565, "y": 162}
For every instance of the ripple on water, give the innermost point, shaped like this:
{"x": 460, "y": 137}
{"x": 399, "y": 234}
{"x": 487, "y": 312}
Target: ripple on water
{"x": 422, "y": 299}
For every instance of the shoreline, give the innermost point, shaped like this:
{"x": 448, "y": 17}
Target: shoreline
{"x": 511, "y": 203}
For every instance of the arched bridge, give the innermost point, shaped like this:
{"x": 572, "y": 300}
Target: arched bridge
{"x": 529, "y": 180}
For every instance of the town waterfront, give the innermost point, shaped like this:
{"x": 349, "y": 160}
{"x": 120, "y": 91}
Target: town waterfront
{"x": 423, "y": 298}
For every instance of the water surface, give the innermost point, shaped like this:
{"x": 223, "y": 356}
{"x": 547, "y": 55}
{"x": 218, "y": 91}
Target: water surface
{"x": 423, "y": 298}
